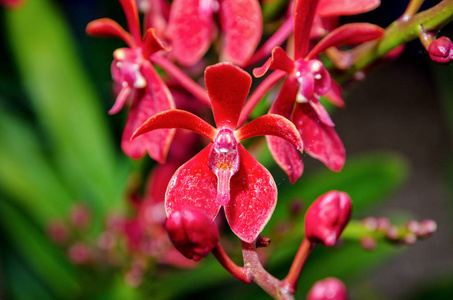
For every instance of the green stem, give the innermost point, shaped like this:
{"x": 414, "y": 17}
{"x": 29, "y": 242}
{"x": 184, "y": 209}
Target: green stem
{"x": 401, "y": 32}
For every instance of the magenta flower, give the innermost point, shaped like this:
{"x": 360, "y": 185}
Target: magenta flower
{"x": 327, "y": 217}
{"x": 224, "y": 173}
{"x": 306, "y": 82}
{"x": 328, "y": 289}
{"x": 132, "y": 70}
{"x": 192, "y": 29}
{"x": 441, "y": 50}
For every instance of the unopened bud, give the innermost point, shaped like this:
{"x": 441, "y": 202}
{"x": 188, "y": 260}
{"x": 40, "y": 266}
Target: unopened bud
{"x": 80, "y": 216}
{"x": 328, "y": 289}
{"x": 57, "y": 232}
{"x": 368, "y": 243}
{"x": 79, "y": 253}
{"x": 427, "y": 228}
{"x": 192, "y": 233}
{"x": 327, "y": 217}
{"x": 441, "y": 50}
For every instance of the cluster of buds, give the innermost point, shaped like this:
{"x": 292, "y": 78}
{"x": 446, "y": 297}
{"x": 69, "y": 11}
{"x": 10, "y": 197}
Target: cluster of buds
{"x": 406, "y": 234}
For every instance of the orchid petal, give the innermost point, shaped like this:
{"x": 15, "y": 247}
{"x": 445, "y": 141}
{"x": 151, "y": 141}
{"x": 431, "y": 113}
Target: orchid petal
{"x": 190, "y": 30}
{"x": 272, "y": 124}
{"x": 227, "y": 87}
{"x": 158, "y": 181}
{"x": 108, "y": 27}
{"x": 278, "y": 61}
{"x": 347, "y": 34}
{"x": 328, "y": 8}
{"x": 334, "y": 94}
{"x": 284, "y": 153}
{"x": 320, "y": 140}
{"x": 152, "y": 44}
{"x": 121, "y": 99}
{"x": 176, "y": 118}
{"x": 150, "y": 100}
{"x": 155, "y": 143}
{"x": 130, "y": 10}
{"x": 286, "y": 156}
{"x": 304, "y": 13}
{"x": 193, "y": 185}
{"x": 253, "y": 198}
{"x": 242, "y": 26}
{"x": 322, "y": 113}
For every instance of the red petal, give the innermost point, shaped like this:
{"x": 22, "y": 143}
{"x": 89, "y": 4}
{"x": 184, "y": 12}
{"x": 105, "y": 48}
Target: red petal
{"x": 284, "y": 153}
{"x": 278, "y": 61}
{"x": 242, "y": 26}
{"x": 227, "y": 87}
{"x": 152, "y": 43}
{"x": 334, "y": 94}
{"x": 193, "y": 185}
{"x": 348, "y": 34}
{"x": 253, "y": 198}
{"x": 158, "y": 181}
{"x": 130, "y": 10}
{"x": 345, "y": 7}
{"x": 272, "y": 124}
{"x": 175, "y": 118}
{"x": 304, "y": 13}
{"x": 121, "y": 99}
{"x": 108, "y": 27}
{"x": 322, "y": 113}
{"x": 151, "y": 100}
{"x": 286, "y": 156}
{"x": 320, "y": 141}
{"x": 190, "y": 29}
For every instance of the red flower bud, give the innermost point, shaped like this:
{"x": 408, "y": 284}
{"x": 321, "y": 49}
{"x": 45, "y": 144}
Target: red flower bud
{"x": 328, "y": 289}
{"x": 327, "y": 217}
{"x": 192, "y": 233}
{"x": 441, "y": 50}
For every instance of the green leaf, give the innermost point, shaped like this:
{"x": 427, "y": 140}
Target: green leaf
{"x": 31, "y": 244}
{"x": 27, "y": 176}
{"x": 64, "y": 100}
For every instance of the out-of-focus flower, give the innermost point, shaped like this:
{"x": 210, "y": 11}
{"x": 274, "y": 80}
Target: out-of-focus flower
{"x": 327, "y": 217}
{"x": 224, "y": 173}
{"x": 328, "y": 289}
{"x": 191, "y": 29}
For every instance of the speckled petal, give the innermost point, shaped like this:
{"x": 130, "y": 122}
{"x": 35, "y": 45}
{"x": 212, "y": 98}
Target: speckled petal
{"x": 345, "y": 7}
{"x": 253, "y": 198}
{"x": 320, "y": 140}
{"x": 193, "y": 185}
{"x": 227, "y": 87}
{"x": 190, "y": 29}
{"x": 242, "y": 25}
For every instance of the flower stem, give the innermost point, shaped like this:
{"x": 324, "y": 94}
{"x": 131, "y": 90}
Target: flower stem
{"x": 258, "y": 94}
{"x": 185, "y": 81}
{"x": 260, "y": 276}
{"x": 229, "y": 265}
{"x": 412, "y": 8}
{"x": 400, "y": 32}
{"x": 290, "y": 281}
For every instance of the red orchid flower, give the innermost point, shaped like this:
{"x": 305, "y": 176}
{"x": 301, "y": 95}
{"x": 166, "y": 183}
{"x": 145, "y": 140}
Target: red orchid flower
{"x": 12, "y": 3}
{"x": 191, "y": 29}
{"x": 132, "y": 70}
{"x": 306, "y": 82}
{"x": 224, "y": 173}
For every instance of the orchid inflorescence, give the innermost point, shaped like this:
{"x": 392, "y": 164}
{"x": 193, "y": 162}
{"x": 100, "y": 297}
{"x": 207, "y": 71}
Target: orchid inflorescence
{"x": 158, "y": 77}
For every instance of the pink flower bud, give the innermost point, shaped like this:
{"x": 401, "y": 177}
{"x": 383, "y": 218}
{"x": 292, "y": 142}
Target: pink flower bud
{"x": 192, "y": 233}
{"x": 327, "y": 217}
{"x": 79, "y": 253}
{"x": 328, "y": 289}
{"x": 57, "y": 232}
{"x": 441, "y": 50}
{"x": 80, "y": 216}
